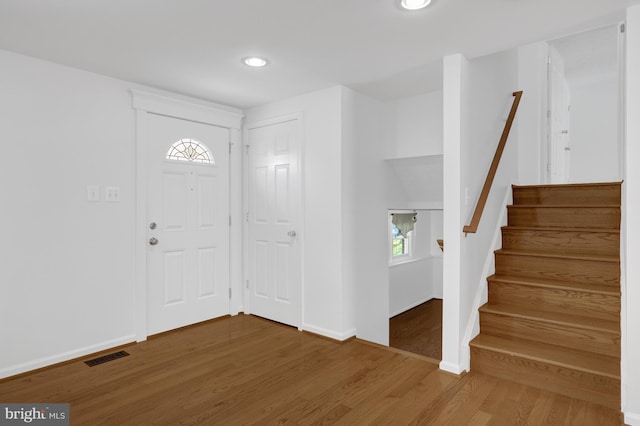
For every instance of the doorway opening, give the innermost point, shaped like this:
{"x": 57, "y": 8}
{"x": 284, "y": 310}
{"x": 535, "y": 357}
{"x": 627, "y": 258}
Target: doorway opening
{"x": 415, "y": 281}
{"x": 584, "y": 128}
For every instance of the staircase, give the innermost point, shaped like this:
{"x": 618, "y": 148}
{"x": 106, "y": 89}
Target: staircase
{"x": 552, "y": 320}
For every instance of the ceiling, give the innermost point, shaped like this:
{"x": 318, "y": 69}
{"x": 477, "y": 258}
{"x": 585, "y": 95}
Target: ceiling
{"x": 194, "y": 47}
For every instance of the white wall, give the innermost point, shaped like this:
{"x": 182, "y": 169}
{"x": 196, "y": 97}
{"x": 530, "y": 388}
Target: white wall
{"x": 415, "y": 182}
{"x": 493, "y": 80}
{"x": 456, "y": 95}
{"x": 532, "y": 113}
{"x": 324, "y": 296}
{"x": 365, "y": 215}
{"x": 594, "y": 131}
{"x": 67, "y": 276}
{"x": 413, "y": 125}
{"x": 631, "y": 227}
{"x": 413, "y": 148}
{"x": 68, "y": 279}
{"x": 478, "y": 97}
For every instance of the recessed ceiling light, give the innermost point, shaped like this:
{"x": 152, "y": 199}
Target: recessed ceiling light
{"x": 414, "y": 4}
{"x": 255, "y": 61}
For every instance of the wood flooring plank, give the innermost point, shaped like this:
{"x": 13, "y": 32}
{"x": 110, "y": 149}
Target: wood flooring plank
{"x": 541, "y": 409}
{"x": 480, "y": 418}
{"x": 245, "y": 370}
{"x": 559, "y": 410}
{"x": 577, "y": 412}
{"x": 596, "y": 415}
{"x": 412, "y": 405}
{"x": 526, "y": 404}
{"x": 468, "y": 401}
{"x": 419, "y": 330}
{"x": 431, "y": 411}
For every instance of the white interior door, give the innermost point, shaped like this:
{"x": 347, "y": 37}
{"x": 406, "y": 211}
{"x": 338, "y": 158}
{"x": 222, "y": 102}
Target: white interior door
{"x": 274, "y": 271}
{"x": 188, "y": 223}
{"x": 559, "y": 138}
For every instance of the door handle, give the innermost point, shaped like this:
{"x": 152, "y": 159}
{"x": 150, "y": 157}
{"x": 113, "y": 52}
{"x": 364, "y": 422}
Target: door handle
{"x": 291, "y": 233}
{"x": 153, "y": 241}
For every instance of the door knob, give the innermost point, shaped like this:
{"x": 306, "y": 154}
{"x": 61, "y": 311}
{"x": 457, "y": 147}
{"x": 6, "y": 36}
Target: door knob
{"x": 291, "y": 233}
{"x": 153, "y": 241}
{"x": 153, "y": 225}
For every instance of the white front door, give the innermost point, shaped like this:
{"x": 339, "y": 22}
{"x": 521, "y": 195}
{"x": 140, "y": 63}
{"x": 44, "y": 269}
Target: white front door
{"x": 274, "y": 271}
{"x": 188, "y": 222}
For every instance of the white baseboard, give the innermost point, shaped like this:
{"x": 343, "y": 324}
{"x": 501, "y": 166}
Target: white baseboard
{"x": 66, "y": 356}
{"x": 329, "y": 333}
{"x": 632, "y": 419}
{"x": 451, "y": 368}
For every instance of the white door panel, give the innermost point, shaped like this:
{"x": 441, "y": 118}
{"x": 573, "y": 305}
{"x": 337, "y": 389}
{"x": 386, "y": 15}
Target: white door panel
{"x": 274, "y": 251}
{"x": 188, "y": 268}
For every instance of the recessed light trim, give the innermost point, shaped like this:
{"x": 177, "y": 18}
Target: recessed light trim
{"x": 414, "y": 4}
{"x": 255, "y": 61}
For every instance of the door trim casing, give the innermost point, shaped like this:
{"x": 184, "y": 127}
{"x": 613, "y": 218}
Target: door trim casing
{"x": 297, "y": 116}
{"x": 145, "y": 103}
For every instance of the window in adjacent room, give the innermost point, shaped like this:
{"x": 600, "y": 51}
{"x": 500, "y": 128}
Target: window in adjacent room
{"x": 402, "y": 232}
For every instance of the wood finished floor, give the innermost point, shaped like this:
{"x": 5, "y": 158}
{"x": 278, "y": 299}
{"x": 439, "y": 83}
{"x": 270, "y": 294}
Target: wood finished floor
{"x": 246, "y": 370}
{"x": 419, "y": 330}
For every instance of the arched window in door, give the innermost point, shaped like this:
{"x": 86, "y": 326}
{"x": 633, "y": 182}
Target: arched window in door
{"x": 191, "y": 150}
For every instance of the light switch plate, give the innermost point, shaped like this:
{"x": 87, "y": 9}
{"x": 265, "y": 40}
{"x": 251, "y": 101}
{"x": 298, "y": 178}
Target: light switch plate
{"x": 112, "y": 194}
{"x": 93, "y": 193}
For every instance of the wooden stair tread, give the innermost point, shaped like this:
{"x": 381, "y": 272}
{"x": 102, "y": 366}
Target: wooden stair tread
{"x": 573, "y": 320}
{"x": 560, "y": 229}
{"x": 553, "y": 316}
{"x": 564, "y": 206}
{"x": 568, "y": 256}
{"x": 605, "y": 289}
{"x": 567, "y": 185}
{"x": 587, "y": 362}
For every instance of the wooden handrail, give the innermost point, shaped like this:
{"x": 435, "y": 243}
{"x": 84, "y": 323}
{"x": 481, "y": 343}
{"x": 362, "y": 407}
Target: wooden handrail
{"x": 477, "y": 214}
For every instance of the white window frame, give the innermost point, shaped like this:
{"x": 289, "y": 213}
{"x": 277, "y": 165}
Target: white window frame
{"x": 410, "y": 237}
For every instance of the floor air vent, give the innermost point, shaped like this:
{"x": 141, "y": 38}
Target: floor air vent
{"x": 106, "y": 358}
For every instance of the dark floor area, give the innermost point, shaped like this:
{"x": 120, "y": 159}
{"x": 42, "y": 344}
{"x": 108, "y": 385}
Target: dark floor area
{"x": 419, "y": 330}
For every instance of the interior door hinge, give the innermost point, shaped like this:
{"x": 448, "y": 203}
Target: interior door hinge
{"x": 230, "y": 145}
{"x": 621, "y": 28}
{"x": 247, "y": 283}
{"x": 229, "y": 220}
{"x": 229, "y": 292}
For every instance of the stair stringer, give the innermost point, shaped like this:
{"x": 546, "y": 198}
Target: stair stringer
{"x": 481, "y": 294}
